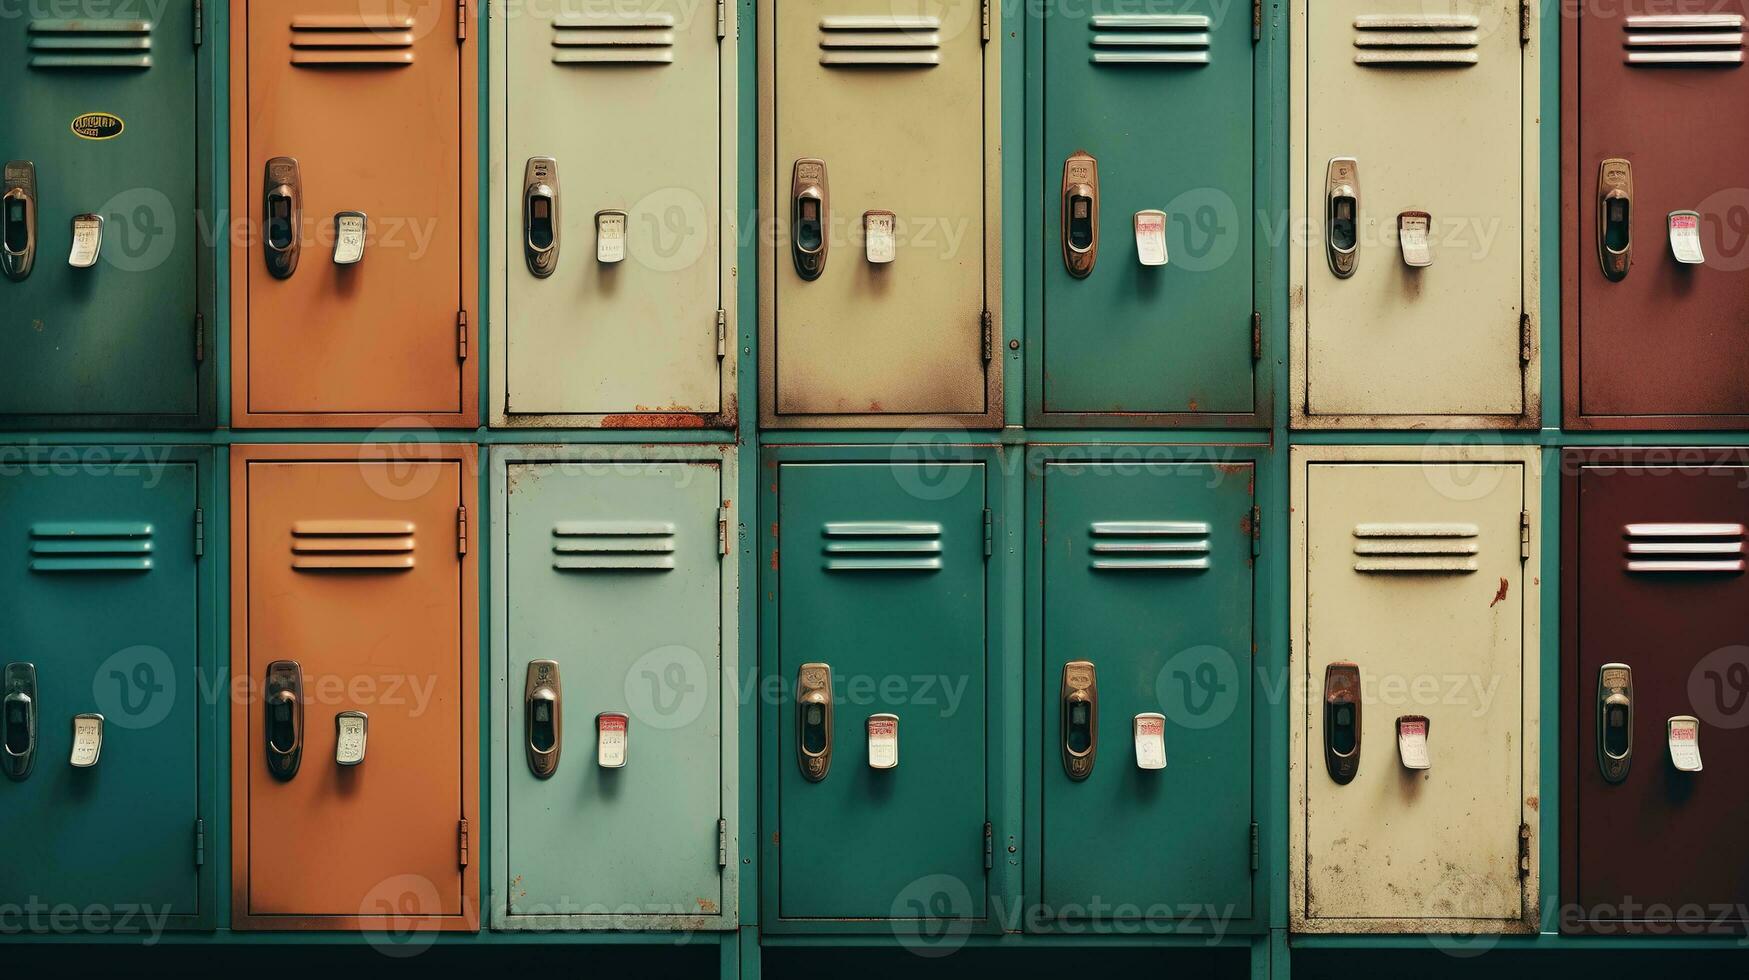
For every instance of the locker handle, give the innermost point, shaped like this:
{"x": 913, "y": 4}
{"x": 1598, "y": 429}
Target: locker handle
{"x": 1342, "y": 732}
{"x": 1080, "y": 692}
{"x": 1080, "y": 213}
{"x": 814, "y": 720}
{"x": 1615, "y": 209}
{"x": 1342, "y": 215}
{"x": 1615, "y": 721}
{"x": 282, "y": 213}
{"x": 18, "y": 718}
{"x": 810, "y": 217}
{"x": 285, "y": 718}
{"x": 540, "y": 215}
{"x": 543, "y": 717}
{"x": 18, "y": 220}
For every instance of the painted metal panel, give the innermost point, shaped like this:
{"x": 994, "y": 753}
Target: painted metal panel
{"x": 1413, "y": 568}
{"x": 1125, "y": 83}
{"x": 1663, "y": 88}
{"x": 900, "y": 105}
{"x": 376, "y": 108}
{"x": 1436, "y": 337}
{"x": 616, "y": 571}
{"x": 359, "y": 566}
{"x": 1655, "y": 553}
{"x": 858, "y": 543}
{"x": 108, "y": 111}
{"x": 1148, "y": 574}
{"x": 632, "y": 330}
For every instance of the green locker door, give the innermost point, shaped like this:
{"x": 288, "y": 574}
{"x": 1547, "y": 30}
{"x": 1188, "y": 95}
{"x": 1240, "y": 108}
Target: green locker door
{"x": 882, "y": 577}
{"x": 1160, "y": 94}
{"x": 99, "y": 593}
{"x": 1148, "y": 574}
{"x": 107, "y": 111}
{"x": 616, "y": 573}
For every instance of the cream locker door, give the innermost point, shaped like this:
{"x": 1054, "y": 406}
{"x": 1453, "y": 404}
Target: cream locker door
{"x": 625, "y": 98}
{"x": 1428, "y": 99}
{"x": 1414, "y": 574}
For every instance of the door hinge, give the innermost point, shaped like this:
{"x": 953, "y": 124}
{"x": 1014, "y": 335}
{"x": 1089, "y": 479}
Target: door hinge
{"x": 1256, "y": 20}
{"x": 1524, "y": 338}
{"x": 722, "y": 334}
{"x": 199, "y": 23}
{"x": 461, "y": 335}
{"x": 1256, "y": 336}
{"x": 722, "y": 843}
{"x": 722, "y": 530}
{"x": 1256, "y": 856}
{"x": 722, "y": 19}
{"x": 461, "y": 842}
{"x": 984, "y": 19}
{"x": 989, "y": 846}
{"x": 1524, "y": 535}
{"x": 199, "y": 532}
{"x": 199, "y": 337}
{"x": 987, "y": 323}
{"x": 989, "y": 533}
{"x": 1524, "y": 21}
{"x": 199, "y": 842}
{"x": 1524, "y": 850}
{"x": 461, "y": 20}
{"x": 1256, "y": 531}
{"x": 461, "y": 530}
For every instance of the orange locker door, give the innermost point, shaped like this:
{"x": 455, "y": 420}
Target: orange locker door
{"x": 358, "y": 115}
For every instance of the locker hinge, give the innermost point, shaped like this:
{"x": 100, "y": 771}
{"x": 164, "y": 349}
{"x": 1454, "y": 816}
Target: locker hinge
{"x": 984, "y": 19}
{"x": 461, "y": 335}
{"x": 1256, "y": 856}
{"x": 199, "y": 532}
{"x": 989, "y": 846}
{"x": 461, "y": 530}
{"x": 461, "y": 842}
{"x": 199, "y": 842}
{"x": 1524, "y": 535}
{"x": 1256, "y": 336}
{"x": 987, "y": 323}
{"x": 722, "y": 19}
{"x": 1256, "y": 20}
{"x": 1524, "y": 850}
{"x": 199, "y": 23}
{"x": 1256, "y": 531}
{"x": 1524, "y": 338}
{"x": 1524, "y": 21}
{"x": 722, "y": 334}
{"x": 461, "y": 20}
{"x": 722, "y": 530}
{"x": 199, "y": 337}
{"x": 989, "y": 533}
{"x": 722, "y": 843}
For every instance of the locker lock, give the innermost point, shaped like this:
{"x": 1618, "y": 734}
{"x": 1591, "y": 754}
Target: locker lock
{"x": 1615, "y": 210}
{"x": 810, "y": 218}
{"x": 18, "y": 721}
{"x": 18, "y": 220}
{"x": 1080, "y": 213}
{"x": 814, "y": 720}
{"x": 1615, "y": 721}
{"x": 285, "y": 718}
{"x": 349, "y": 234}
{"x": 282, "y": 210}
{"x": 1342, "y": 721}
{"x": 540, "y": 215}
{"x": 1080, "y": 718}
{"x": 543, "y": 717}
{"x": 1342, "y": 215}
{"x": 612, "y": 732}
{"x": 351, "y": 733}
{"x": 87, "y": 740}
{"x": 1682, "y": 734}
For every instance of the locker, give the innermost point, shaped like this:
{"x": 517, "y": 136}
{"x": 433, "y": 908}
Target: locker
{"x": 1148, "y": 296}
{"x": 616, "y": 747}
{"x": 1414, "y": 271}
{"x": 613, "y": 202}
{"x": 1654, "y": 619}
{"x": 105, "y": 273}
{"x": 1653, "y": 130}
{"x": 115, "y": 820}
{"x": 353, "y": 166}
{"x": 880, "y": 177}
{"x": 353, "y": 592}
{"x": 1147, "y": 582}
{"x": 1414, "y": 758}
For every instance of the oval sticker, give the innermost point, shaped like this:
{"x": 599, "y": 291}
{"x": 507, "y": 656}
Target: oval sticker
{"x": 97, "y": 126}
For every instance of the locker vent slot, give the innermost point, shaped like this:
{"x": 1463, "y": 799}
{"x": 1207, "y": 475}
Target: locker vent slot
{"x": 1404, "y": 41}
{"x": 351, "y": 41}
{"x": 100, "y": 44}
{"x": 1150, "y": 546}
{"x": 882, "y": 546}
{"x": 1150, "y": 39}
{"x": 613, "y": 39}
{"x": 1685, "y": 39}
{"x": 319, "y": 546}
{"x": 585, "y": 546}
{"x": 1685, "y": 547}
{"x": 1437, "y": 548}
{"x": 91, "y": 546}
{"x": 880, "y": 42}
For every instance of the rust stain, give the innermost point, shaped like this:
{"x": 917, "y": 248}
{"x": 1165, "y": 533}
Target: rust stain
{"x": 1195, "y": 406}
{"x": 707, "y": 906}
{"x": 774, "y": 559}
{"x": 774, "y": 530}
{"x": 652, "y": 422}
{"x": 1500, "y": 596}
{"x": 1533, "y": 802}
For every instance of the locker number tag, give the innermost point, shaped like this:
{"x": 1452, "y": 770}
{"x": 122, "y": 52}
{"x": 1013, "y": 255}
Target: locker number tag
{"x": 87, "y": 240}
{"x": 351, "y": 728}
{"x": 1151, "y": 237}
{"x": 610, "y": 237}
{"x": 349, "y": 237}
{"x": 883, "y": 741}
{"x": 1413, "y": 228}
{"x": 1684, "y": 735}
{"x": 610, "y": 739}
{"x": 1150, "y": 734}
{"x": 1685, "y": 237}
{"x": 880, "y": 236}
{"x": 87, "y": 740}
{"x": 1412, "y": 742}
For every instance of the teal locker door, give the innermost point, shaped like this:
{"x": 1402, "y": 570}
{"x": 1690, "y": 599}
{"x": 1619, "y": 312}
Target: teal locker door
{"x": 1148, "y": 574}
{"x": 1160, "y": 94}
{"x": 99, "y": 593}
{"x": 882, "y": 576}
{"x": 615, "y": 573}
{"x": 106, "y": 109}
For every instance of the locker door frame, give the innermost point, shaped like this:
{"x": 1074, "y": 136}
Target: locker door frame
{"x": 1002, "y": 724}
{"x": 468, "y": 695}
{"x": 1305, "y": 226}
{"x": 468, "y": 286}
{"x": 500, "y": 260}
{"x": 1302, "y": 724}
{"x": 992, "y": 415}
{"x": 502, "y": 744}
{"x": 1264, "y": 596}
{"x": 1269, "y": 80}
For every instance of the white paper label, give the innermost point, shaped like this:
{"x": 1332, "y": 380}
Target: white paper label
{"x": 1150, "y": 735}
{"x": 87, "y": 241}
{"x": 610, "y": 740}
{"x": 348, "y": 238}
{"x": 349, "y": 739}
{"x": 610, "y": 238}
{"x": 1685, "y": 237}
{"x": 1151, "y": 238}
{"x": 1412, "y": 743}
{"x": 1413, "y": 228}
{"x": 1684, "y": 737}
{"x": 87, "y": 740}
{"x": 883, "y": 741}
{"x": 880, "y": 236}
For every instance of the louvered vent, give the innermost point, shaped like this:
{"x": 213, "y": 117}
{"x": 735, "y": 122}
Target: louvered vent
{"x": 613, "y": 39}
{"x": 102, "y": 44}
{"x": 1685, "y": 547}
{"x": 91, "y": 546}
{"x": 1440, "y": 548}
{"x": 1150, "y": 39}
{"x": 1685, "y": 39}
{"x": 580, "y": 546}
{"x": 1430, "y": 41}
{"x": 883, "y": 546}
{"x": 347, "y": 41}
{"x": 880, "y": 42}
{"x": 352, "y": 545}
{"x": 1150, "y": 546}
